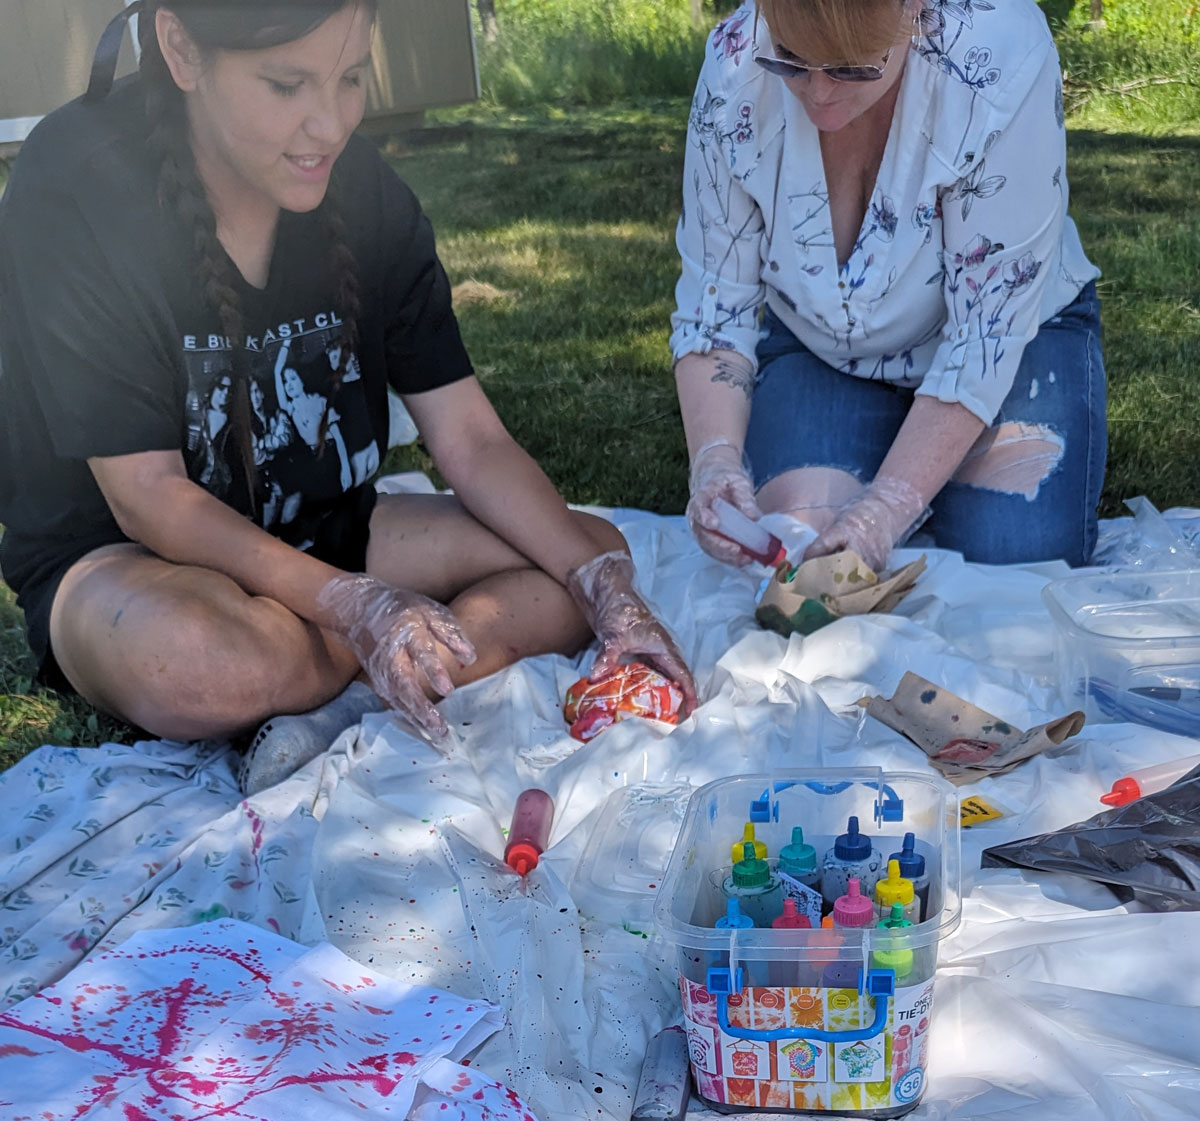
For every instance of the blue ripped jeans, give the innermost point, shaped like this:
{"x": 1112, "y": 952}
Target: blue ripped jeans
{"x": 807, "y": 414}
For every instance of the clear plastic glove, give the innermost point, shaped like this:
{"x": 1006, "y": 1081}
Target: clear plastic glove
{"x": 718, "y": 471}
{"x": 870, "y": 524}
{"x": 603, "y": 590}
{"x": 395, "y": 634}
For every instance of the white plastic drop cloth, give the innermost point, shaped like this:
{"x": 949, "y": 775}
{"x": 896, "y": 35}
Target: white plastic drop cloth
{"x": 1051, "y": 1001}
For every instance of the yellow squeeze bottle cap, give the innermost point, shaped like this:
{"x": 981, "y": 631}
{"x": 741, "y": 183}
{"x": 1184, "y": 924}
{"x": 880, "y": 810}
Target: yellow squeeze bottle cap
{"x": 760, "y": 849}
{"x": 894, "y": 889}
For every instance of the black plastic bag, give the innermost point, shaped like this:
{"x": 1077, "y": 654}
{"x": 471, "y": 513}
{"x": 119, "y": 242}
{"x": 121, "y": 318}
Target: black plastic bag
{"x": 1148, "y": 850}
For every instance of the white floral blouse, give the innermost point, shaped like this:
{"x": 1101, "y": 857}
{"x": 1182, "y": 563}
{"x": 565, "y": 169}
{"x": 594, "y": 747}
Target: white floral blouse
{"x": 966, "y": 247}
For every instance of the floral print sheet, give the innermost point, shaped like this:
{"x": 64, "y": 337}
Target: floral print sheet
{"x": 98, "y": 843}
{"x": 225, "y": 1020}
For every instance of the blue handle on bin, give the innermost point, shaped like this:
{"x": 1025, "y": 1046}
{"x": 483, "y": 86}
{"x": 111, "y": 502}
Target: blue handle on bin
{"x": 891, "y": 808}
{"x": 880, "y": 984}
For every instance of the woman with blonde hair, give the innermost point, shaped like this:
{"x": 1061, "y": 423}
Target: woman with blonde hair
{"x": 885, "y": 318}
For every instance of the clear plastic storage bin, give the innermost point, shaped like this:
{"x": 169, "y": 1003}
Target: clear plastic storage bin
{"x": 628, "y": 852}
{"x": 800, "y": 1020}
{"x": 1128, "y": 646}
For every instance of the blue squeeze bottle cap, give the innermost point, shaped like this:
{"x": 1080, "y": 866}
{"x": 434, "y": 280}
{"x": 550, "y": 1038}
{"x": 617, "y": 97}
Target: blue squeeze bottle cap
{"x": 852, "y": 845}
{"x": 912, "y": 863}
{"x": 733, "y": 919}
{"x": 797, "y": 858}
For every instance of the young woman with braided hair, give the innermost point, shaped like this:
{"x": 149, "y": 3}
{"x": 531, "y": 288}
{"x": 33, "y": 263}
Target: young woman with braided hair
{"x": 170, "y": 246}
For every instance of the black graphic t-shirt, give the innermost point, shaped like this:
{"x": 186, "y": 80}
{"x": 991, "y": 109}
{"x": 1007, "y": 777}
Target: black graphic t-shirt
{"x": 107, "y": 346}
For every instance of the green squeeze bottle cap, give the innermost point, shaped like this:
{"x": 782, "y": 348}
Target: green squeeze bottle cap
{"x": 797, "y": 859}
{"x": 760, "y": 850}
{"x": 899, "y": 960}
{"x": 751, "y": 871}
{"x": 895, "y": 920}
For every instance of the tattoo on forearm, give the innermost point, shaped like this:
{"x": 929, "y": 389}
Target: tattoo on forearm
{"x": 736, "y": 376}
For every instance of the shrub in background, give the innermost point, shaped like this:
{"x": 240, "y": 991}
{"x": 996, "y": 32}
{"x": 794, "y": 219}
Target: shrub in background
{"x": 1139, "y": 70}
{"x": 592, "y": 52}
{"x": 595, "y": 52}
{"x": 1143, "y": 21}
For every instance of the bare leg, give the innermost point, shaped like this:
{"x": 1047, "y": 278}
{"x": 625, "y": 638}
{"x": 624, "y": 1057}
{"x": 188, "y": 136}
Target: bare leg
{"x": 185, "y": 653}
{"x": 182, "y": 651}
{"x": 810, "y": 494}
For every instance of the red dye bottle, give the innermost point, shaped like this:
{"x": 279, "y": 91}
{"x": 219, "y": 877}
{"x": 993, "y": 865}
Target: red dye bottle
{"x": 529, "y": 833}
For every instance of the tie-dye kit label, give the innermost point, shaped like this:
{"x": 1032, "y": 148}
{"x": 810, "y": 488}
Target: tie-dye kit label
{"x": 884, "y": 1073}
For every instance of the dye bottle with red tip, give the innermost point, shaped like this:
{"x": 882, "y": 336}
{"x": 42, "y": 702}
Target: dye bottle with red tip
{"x": 529, "y": 833}
{"x": 1148, "y": 780}
{"x": 791, "y": 918}
{"x": 757, "y": 543}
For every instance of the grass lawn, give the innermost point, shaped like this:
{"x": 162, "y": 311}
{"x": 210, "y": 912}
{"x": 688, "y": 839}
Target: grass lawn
{"x": 558, "y": 226}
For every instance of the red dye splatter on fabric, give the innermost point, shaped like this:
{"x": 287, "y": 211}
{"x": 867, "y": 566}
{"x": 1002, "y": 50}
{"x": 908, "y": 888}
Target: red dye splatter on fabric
{"x": 205, "y": 1034}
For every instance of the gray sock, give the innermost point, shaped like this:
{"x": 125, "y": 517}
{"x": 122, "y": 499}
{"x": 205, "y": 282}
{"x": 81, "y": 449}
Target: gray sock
{"x": 285, "y": 743}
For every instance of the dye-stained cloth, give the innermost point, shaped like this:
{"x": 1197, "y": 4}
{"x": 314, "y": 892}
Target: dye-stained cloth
{"x": 227, "y": 1020}
{"x": 965, "y": 247}
{"x": 1053, "y": 1000}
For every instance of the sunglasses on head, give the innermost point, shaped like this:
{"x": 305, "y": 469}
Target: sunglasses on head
{"x": 784, "y": 69}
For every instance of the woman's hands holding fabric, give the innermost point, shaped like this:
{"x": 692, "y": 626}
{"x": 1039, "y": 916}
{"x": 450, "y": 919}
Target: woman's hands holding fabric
{"x": 602, "y": 589}
{"x": 395, "y": 634}
{"x": 873, "y": 522}
{"x": 718, "y": 471}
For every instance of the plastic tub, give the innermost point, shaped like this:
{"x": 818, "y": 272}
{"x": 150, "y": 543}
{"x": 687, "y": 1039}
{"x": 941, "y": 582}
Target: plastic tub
{"x": 798, "y": 1020}
{"x": 1128, "y": 646}
{"x": 627, "y": 853}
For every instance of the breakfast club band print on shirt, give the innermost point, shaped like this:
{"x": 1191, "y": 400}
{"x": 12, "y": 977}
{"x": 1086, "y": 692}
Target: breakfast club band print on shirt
{"x": 290, "y": 374}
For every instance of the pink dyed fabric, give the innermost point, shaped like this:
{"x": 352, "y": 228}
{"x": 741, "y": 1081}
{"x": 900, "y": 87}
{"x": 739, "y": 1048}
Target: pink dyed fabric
{"x": 225, "y": 1020}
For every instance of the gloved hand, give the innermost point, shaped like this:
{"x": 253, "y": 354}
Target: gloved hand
{"x": 871, "y": 523}
{"x": 395, "y": 634}
{"x": 718, "y": 471}
{"x": 602, "y": 589}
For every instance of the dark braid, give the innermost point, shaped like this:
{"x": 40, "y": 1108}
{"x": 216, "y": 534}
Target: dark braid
{"x": 182, "y": 193}
{"x": 347, "y": 300}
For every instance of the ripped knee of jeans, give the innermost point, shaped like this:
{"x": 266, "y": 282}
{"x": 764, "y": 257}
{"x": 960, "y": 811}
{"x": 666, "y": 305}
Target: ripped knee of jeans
{"x": 822, "y": 490}
{"x": 1013, "y": 458}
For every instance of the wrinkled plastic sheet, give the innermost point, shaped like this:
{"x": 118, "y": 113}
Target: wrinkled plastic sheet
{"x": 1148, "y": 850}
{"x": 1053, "y": 999}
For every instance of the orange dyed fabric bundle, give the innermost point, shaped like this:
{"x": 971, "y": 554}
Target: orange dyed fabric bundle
{"x": 632, "y": 690}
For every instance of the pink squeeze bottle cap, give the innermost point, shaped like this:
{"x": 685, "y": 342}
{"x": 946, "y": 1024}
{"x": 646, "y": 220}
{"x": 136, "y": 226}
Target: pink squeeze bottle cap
{"x": 853, "y": 908}
{"x": 1124, "y": 791}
